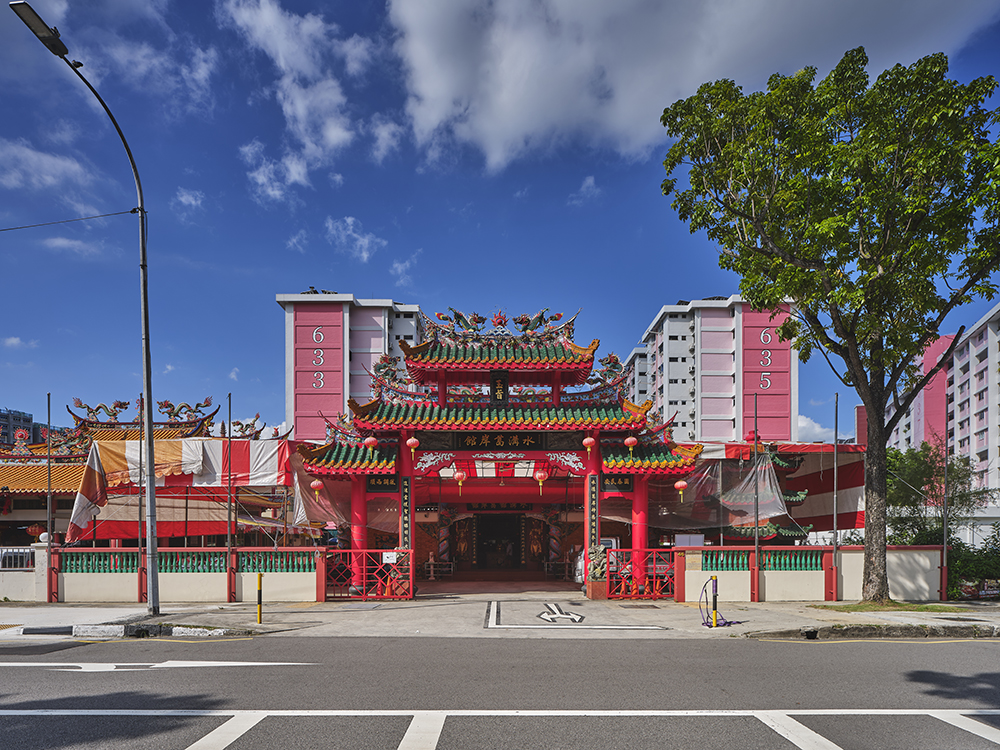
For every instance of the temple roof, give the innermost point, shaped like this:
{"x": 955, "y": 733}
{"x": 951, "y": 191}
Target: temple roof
{"x": 656, "y": 458}
{"x": 32, "y": 479}
{"x": 381, "y": 415}
{"x": 468, "y": 354}
{"x": 338, "y": 458}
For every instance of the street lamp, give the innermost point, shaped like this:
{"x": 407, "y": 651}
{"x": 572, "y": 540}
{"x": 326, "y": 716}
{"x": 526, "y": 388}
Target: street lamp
{"x": 50, "y": 38}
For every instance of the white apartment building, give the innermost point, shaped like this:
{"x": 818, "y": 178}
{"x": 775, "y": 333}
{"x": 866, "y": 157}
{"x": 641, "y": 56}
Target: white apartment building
{"x": 719, "y": 366}
{"x": 973, "y": 410}
{"x": 332, "y": 342}
{"x": 638, "y": 382}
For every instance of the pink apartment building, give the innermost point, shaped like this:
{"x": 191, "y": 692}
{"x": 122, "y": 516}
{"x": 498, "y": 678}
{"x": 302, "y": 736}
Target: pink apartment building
{"x": 707, "y": 361}
{"x": 332, "y": 342}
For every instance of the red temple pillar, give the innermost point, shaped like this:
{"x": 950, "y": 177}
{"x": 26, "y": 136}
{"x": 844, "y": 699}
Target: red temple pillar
{"x": 404, "y": 470}
{"x": 592, "y": 485}
{"x": 640, "y": 529}
{"x": 359, "y": 531}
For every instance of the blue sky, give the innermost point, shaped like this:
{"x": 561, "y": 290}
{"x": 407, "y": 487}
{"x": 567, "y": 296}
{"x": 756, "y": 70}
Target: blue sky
{"x": 471, "y": 154}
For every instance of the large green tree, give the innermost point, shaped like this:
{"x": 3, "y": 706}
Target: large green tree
{"x": 916, "y": 489}
{"x": 872, "y": 206}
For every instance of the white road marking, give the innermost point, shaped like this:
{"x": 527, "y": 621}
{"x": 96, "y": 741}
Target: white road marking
{"x": 424, "y": 731}
{"x": 493, "y": 621}
{"x": 223, "y": 736}
{"x": 798, "y": 734}
{"x": 555, "y": 612}
{"x": 120, "y": 666}
{"x": 969, "y": 725}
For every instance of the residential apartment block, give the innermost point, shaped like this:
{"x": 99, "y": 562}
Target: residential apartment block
{"x": 12, "y": 420}
{"x": 720, "y": 368}
{"x": 332, "y": 342}
{"x": 963, "y": 403}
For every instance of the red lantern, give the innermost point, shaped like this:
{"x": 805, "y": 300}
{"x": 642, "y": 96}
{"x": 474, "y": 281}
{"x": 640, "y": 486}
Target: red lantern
{"x": 540, "y": 477}
{"x": 588, "y": 443}
{"x": 631, "y": 442}
{"x": 36, "y": 529}
{"x": 412, "y": 444}
{"x": 371, "y": 442}
{"x": 316, "y": 485}
{"x": 680, "y": 485}
{"x": 460, "y": 476}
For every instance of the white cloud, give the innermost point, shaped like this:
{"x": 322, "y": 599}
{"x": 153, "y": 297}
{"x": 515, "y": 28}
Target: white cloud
{"x": 811, "y": 431}
{"x": 401, "y": 269}
{"x": 509, "y": 77}
{"x": 15, "y": 342}
{"x": 23, "y": 167}
{"x": 186, "y": 203}
{"x": 336, "y": 179}
{"x": 357, "y": 53}
{"x": 348, "y": 236}
{"x": 234, "y": 374}
{"x": 309, "y": 94}
{"x": 588, "y": 191}
{"x": 168, "y": 368}
{"x": 298, "y": 241}
{"x": 387, "y": 136}
{"x": 77, "y": 247}
{"x": 522, "y": 193}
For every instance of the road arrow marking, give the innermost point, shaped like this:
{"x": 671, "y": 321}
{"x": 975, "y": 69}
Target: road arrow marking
{"x": 555, "y": 613}
{"x": 493, "y": 622}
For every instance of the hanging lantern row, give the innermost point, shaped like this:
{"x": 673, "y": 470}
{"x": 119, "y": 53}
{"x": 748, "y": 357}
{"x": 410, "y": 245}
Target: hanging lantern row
{"x": 680, "y": 485}
{"x": 540, "y": 477}
{"x": 588, "y": 443}
{"x": 460, "y": 476}
{"x": 631, "y": 442}
{"x": 412, "y": 444}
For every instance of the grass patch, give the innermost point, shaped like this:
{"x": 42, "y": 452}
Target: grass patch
{"x": 890, "y": 606}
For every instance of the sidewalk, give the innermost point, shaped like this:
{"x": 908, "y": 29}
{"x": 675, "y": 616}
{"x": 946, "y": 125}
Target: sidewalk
{"x": 449, "y": 609}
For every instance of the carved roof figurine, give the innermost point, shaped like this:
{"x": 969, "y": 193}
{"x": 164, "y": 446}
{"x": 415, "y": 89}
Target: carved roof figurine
{"x": 92, "y": 413}
{"x": 471, "y": 323}
{"x": 248, "y": 429}
{"x": 537, "y": 320}
{"x": 610, "y": 370}
{"x": 183, "y": 412}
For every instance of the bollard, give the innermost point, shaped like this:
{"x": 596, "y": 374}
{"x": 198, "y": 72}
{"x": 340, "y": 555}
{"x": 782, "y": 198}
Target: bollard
{"x": 260, "y": 595}
{"x": 715, "y": 601}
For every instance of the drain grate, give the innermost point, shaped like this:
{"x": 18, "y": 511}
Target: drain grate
{"x": 638, "y": 606}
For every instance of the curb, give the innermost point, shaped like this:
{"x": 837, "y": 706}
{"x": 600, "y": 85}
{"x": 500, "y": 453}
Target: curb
{"x": 140, "y": 630}
{"x": 843, "y": 632}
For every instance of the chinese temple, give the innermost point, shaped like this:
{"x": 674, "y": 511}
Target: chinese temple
{"x": 497, "y": 450}
{"x": 184, "y": 447}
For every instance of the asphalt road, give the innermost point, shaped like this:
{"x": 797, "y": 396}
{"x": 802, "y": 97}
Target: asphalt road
{"x": 411, "y": 693}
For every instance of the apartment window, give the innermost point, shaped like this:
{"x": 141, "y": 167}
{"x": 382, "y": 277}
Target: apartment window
{"x": 407, "y": 315}
{"x": 672, "y": 403}
{"x": 408, "y": 337}
{"x": 672, "y": 381}
{"x": 673, "y": 338}
{"x": 673, "y": 359}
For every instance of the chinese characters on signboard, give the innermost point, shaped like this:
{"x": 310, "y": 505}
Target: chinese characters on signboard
{"x": 383, "y": 483}
{"x": 616, "y": 483}
{"x": 499, "y": 390}
{"x": 475, "y": 441}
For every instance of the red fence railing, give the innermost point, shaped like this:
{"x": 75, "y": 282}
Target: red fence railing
{"x": 640, "y": 574}
{"x": 369, "y": 574}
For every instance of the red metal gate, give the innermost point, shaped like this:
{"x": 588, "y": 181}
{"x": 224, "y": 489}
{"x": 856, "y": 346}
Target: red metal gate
{"x": 369, "y": 574}
{"x": 640, "y": 574}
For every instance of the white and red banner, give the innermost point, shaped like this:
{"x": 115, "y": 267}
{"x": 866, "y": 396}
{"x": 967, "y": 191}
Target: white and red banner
{"x": 192, "y": 479}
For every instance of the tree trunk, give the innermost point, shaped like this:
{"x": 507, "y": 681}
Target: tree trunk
{"x": 876, "y": 581}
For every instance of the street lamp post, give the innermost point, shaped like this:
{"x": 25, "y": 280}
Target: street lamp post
{"x": 50, "y": 38}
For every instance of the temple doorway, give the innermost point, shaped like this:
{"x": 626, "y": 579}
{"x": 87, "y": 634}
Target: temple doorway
{"x": 498, "y": 543}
